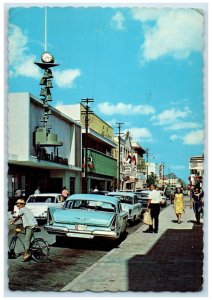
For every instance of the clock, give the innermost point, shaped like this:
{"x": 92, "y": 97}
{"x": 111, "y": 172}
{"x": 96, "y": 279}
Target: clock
{"x": 47, "y": 57}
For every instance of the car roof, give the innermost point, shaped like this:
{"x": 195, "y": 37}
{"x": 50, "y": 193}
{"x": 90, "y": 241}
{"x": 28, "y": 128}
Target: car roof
{"x": 93, "y": 197}
{"x": 121, "y": 194}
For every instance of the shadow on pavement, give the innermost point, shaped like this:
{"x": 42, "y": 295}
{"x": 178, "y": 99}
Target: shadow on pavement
{"x": 175, "y": 263}
{"x": 88, "y": 244}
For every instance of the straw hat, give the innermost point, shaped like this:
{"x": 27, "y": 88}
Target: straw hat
{"x": 20, "y": 201}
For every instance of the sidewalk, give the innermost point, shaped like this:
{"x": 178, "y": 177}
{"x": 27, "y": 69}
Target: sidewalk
{"x": 171, "y": 260}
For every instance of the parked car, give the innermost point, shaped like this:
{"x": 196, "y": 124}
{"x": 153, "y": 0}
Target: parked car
{"x": 129, "y": 203}
{"x": 87, "y": 216}
{"x": 164, "y": 199}
{"x": 143, "y": 198}
{"x": 39, "y": 203}
{"x": 100, "y": 192}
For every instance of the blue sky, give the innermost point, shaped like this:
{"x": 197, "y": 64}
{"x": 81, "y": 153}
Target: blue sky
{"x": 142, "y": 66}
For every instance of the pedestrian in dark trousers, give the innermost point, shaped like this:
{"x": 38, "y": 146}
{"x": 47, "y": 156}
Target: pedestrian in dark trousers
{"x": 154, "y": 203}
{"x": 197, "y": 203}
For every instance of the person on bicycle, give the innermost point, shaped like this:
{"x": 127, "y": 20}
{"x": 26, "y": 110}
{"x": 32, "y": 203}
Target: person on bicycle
{"x": 29, "y": 223}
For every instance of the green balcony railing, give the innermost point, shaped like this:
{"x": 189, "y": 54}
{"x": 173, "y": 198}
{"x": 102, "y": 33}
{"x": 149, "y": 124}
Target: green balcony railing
{"x": 101, "y": 163}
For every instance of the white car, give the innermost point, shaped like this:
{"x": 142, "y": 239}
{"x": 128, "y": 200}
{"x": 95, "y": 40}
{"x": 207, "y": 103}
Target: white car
{"x": 164, "y": 199}
{"x": 39, "y": 204}
{"x": 129, "y": 203}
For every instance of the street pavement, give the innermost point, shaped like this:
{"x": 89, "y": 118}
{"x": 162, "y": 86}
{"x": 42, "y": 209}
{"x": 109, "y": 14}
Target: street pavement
{"x": 168, "y": 261}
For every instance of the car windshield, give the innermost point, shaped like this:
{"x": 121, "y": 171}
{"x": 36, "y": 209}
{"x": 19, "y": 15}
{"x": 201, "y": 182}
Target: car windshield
{"x": 90, "y": 205}
{"x": 41, "y": 199}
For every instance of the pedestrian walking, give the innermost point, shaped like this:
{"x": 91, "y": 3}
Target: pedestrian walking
{"x": 179, "y": 205}
{"x": 172, "y": 195}
{"x": 153, "y": 204}
{"x": 29, "y": 223}
{"x": 95, "y": 189}
{"x": 65, "y": 193}
{"x": 37, "y": 191}
{"x": 197, "y": 203}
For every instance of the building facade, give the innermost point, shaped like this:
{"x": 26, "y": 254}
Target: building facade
{"x": 196, "y": 167}
{"x": 132, "y": 164}
{"x": 98, "y": 141}
{"x": 38, "y": 156}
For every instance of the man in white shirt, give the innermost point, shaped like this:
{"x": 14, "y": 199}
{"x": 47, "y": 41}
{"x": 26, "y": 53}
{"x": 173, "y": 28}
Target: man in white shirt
{"x": 154, "y": 206}
{"x": 29, "y": 223}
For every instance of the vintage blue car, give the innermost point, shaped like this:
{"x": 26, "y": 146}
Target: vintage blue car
{"x": 129, "y": 203}
{"x": 87, "y": 216}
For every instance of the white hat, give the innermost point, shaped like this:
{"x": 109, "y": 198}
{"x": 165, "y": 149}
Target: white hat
{"x": 20, "y": 201}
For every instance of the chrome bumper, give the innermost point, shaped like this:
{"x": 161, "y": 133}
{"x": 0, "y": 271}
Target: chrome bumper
{"x": 80, "y": 233}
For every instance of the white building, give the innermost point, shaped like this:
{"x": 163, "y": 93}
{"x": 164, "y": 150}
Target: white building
{"x": 48, "y": 157}
{"x": 196, "y": 166}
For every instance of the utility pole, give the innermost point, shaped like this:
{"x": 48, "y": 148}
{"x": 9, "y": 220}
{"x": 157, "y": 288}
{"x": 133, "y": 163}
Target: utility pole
{"x": 147, "y": 163}
{"x": 163, "y": 173}
{"x": 169, "y": 174}
{"x": 87, "y": 112}
{"x": 119, "y": 154}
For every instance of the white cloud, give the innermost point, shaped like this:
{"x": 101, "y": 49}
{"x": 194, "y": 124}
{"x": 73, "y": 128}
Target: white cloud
{"x": 170, "y": 116}
{"x": 174, "y": 137}
{"x": 183, "y": 125}
{"x": 114, "y": 123}
{"x": 17, "y": 43}
{"x": 175, "y": 32}
{"x": 118, "y": 21}
{"x": 20, "y": 62}
{"x": 66, "y": 78}
{"x": 194, "y": 137}
{"x": 125, "y": 109}
{"x": 140, "y": 134}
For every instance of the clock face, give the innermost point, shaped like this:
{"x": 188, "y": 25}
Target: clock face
{"x": 47, "y": 57}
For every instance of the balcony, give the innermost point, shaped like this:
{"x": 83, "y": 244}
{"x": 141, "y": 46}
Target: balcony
{"x": 101, "y": 163}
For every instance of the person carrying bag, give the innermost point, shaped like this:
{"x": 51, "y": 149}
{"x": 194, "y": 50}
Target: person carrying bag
{"x": 147, "y": 219}
{"x": 154, "y": 203}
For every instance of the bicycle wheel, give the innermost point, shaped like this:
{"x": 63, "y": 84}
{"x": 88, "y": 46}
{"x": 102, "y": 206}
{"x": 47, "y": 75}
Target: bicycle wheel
{"x": 39, "y": 250}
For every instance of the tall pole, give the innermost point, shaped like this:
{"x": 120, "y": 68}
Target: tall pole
{"x": 119, "y": 154}
{"x": 169, "y": 175}
{"x": 147, "y": 164}
{"x": 163, "y": 173}
{"x": 45, "y": 30}
{"x": 87, "y": 112}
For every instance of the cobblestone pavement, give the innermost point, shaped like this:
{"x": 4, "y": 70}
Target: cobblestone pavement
{"x": 169, "y": 261}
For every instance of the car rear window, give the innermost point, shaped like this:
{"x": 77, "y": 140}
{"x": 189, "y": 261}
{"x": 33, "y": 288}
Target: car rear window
{"x": 91, "y": 205}
{"x": 125, "y": 199}
{"x": 41, "y": 199}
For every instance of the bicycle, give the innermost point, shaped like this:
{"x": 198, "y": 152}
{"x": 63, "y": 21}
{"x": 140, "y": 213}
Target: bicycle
{"x": 39, "y": 248}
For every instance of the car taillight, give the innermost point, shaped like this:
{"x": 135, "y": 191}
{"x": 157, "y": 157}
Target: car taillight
{"x": 113, "y": 225}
